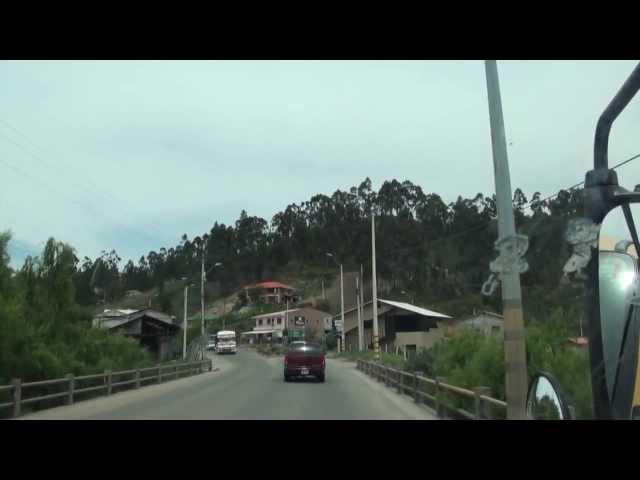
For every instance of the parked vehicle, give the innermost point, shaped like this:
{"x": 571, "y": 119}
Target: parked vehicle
{"x": 226, "y": 342}
{"x": 304, "y": 359}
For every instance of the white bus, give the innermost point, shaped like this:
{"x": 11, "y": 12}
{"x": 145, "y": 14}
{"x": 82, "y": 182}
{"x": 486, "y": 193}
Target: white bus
{"x": 226, "y": 342}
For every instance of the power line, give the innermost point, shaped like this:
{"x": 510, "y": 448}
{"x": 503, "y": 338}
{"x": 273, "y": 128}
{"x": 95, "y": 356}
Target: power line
{"x": 87, "y": 208}
{"x": 96, "y": 189}
{"x": 479, "y": 227}
{"x": 582, "y": 183}
{"x": 80, "y": 187}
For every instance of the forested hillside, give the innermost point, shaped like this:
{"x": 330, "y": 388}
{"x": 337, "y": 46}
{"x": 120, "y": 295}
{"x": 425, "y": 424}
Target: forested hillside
{"x": 437, "y": 253}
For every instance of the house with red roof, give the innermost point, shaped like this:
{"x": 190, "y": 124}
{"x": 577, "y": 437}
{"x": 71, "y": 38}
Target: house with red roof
{"x": 272, "y": 292}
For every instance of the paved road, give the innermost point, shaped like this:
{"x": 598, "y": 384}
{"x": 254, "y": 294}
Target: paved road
{"x": 249, "y": 386}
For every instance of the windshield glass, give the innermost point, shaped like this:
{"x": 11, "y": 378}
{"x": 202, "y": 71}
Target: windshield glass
{"x": 399, "y": 216}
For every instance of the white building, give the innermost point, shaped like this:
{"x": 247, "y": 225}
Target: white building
{"x": 487, "y": 322}
{"x": 270, "y": 326}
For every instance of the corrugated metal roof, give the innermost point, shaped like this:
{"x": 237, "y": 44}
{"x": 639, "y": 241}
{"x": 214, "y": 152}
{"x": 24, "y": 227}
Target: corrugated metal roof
{"x": 581, "y": 341}
{"x": 256, "y": 332}
{"x": 272, "y": 284}
{"x": 118, "y": 312}
{"x": 112, "y": 321}
{"x": 282, "y": 312}
{"x": 413, "y": 308}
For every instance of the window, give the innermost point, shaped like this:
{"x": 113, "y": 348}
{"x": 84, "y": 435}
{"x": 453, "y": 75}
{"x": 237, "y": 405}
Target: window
{"x": 259, "y": 321}
{"x": 279, "y": 320}
{"x": 495, "y": 329}
{"x": 411, "y": 350}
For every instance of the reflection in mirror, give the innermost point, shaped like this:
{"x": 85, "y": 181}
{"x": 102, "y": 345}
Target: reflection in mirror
{"x": 618, "y": 284}
{"x": 544, "y": 401}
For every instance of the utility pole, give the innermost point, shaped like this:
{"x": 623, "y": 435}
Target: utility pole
{"x": 360, "y": 333}
{"x": 362, "y": 302}
{"x": 202, "y": 280}
{"x": 342, "y": 306}
{"x": 324, "y": 297}
{"x": 342, "y": 346}
{"x": 514, "y": 340}
{"x": 184, "y": 324}
{"x": 374, "y": 283}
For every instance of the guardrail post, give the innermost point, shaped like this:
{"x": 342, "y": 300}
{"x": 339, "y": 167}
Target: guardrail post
{"x": 479, "y": 404}
{"x": 109, "y": 378}
{"x": 176, "y": 372}
{"x": 399, "y": 384}
{"x": 437, "y": 397}
{"x": 17, "y": 396}
{"x": 159, "y": 373}
{"x": 416, "y": 384}
{"x": 72, "y": 387}
{"x": 137, "y": 377}
{"x": 210, "y": 364}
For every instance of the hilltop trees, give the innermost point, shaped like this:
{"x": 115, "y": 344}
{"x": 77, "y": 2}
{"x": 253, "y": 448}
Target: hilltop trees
{"x": 437, "y": 251}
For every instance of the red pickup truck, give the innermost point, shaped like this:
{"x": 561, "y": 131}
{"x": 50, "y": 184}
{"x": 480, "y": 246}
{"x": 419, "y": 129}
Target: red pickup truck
{"x": 304, "y": 359}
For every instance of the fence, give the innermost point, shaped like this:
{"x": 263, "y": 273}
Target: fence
{"x": 90, "y": 386}
{"x": 476, "y": 404}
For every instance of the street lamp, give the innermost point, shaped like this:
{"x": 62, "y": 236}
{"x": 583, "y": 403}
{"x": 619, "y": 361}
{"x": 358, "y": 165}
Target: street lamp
{"x": 331, "y": 255}
{"x": 406, "y": 294}
{"x": 202, "y": 282}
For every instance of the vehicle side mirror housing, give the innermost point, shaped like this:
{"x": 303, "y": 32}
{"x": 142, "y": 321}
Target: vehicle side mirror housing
{"x": 546, "y": 401}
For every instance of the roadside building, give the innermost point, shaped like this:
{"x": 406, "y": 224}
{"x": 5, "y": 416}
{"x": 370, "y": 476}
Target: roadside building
{"x": 270, "y": 327}
{"x": 273, "y": 292}
{"x": 157, "y": 332}
{"x": 577, "y": 342}
{"x": 487, "y": 322}
{"x": 401, "y": 326}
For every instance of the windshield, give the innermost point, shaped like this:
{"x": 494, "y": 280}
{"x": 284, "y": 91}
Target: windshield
{"x": 399, "y": 216}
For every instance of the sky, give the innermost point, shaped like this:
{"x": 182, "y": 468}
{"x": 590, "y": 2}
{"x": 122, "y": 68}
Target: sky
{"x": 129, "y": 155}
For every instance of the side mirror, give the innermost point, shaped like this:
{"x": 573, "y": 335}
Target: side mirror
{"x": 546, "y": 400}
{"x": 619, "y": 309}
{"x": 602, "y": 195}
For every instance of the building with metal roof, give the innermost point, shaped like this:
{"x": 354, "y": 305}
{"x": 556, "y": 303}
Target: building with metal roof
{"x": 157, "y": 332}
{"x": 401, "y": 326}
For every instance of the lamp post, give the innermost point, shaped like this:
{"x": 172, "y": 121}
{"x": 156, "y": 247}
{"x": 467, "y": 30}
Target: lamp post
{"x": 407, "y": 295}
{"x": 204, "y": 279}
{"x": 331, "y": 255}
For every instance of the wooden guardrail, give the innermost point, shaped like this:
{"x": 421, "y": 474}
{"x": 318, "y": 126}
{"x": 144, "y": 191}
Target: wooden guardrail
{"x": 436, "y": 393}
{"x": 105, "y": 382}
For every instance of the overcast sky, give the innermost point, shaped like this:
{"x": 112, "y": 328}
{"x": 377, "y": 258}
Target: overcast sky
{"x": 132, "y": 154}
